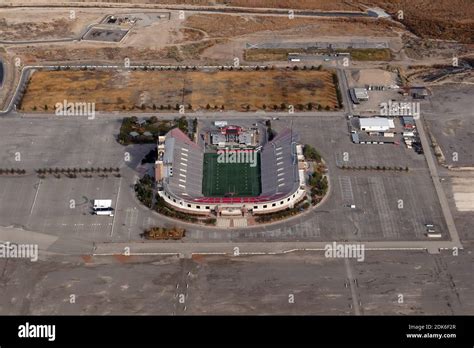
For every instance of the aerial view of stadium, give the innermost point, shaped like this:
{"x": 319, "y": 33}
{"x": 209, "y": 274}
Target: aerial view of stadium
{"x": 233, "y": 173}
{"x": 236, "y": 157}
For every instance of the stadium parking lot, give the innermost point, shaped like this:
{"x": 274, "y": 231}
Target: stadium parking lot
{"x": 43, "y": 205}
{"x": 375, "y": 194}
{"x": 57, "y": 206}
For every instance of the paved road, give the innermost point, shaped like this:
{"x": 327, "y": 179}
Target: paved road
{"x": 436, "y": 181}
{"x": 2, "y": 74}
{"x": 76, "y": 246}
{"x": 352, "y": 280}
{"x": 24, "y": 76}
{"x": 201, "y": 114}
{"x": 257, "y": 248}
{"x": 344, "y": 88}
{"x": 218, "y": 9}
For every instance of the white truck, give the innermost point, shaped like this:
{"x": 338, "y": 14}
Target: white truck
{"x": 431, "y": 232}
{"x": 103, "y": 207}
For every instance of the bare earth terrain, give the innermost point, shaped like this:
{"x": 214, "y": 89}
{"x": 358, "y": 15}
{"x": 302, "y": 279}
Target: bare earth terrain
{"x": 213, "y": 285}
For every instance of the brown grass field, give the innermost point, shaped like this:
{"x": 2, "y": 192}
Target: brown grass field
{"x": 281, "y": 54}
{"x": 160, "y": 90}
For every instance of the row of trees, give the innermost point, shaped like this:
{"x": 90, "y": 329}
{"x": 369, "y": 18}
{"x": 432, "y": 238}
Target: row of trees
{"x": 12, "y": 171}
{"x": 194, "y": 68}
{"x": 177, "y": 107}
{"x": 283, "y": 106}
{"x": 335, "y": 80}
{"x": 77, "y": 170}
{"x": 383, "y": 168}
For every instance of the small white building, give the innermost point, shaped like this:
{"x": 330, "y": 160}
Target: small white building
{"x": 361, "y": 94}
{"x": 376, "y": 124}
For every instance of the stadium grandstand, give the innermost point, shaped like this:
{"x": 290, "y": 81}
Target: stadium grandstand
{"x": 193, "y": 181}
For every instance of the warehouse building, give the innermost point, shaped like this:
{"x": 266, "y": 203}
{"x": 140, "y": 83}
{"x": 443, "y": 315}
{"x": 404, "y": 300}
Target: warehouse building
{"x": 358, "y": 94}
{"x": 376, "y": 124}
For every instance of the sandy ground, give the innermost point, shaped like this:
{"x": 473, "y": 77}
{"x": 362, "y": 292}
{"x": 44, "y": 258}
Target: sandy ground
{"x": 219, "y": 25}
{"x": 373, "y": 77}
{"x": 463, "y": 190}
{"x": 35, "y": 24}
{"x": 173, "y": 40}
{"x": 430, "y": 284}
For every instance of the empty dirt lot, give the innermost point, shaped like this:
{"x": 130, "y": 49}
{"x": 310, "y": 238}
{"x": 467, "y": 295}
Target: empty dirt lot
{"x": 218, "y": 25}
{"x": 440, "y": 19}
{"x": 140, "y": 90}
{"x": 43, "y": 24}
{"x": 215, "y": 285}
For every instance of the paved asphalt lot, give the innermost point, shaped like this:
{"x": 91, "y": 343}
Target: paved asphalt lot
{"x": 450, "y": 117}
{"x": 44, "y": 205}
{"x": 430, "y": 284}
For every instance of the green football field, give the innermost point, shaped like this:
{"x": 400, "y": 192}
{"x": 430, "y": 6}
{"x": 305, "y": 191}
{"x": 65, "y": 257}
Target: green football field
{"x": 230, "y": 179}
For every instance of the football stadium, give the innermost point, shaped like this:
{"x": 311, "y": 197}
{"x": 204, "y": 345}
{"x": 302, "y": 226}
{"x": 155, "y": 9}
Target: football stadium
{"x": 232, "y": 174}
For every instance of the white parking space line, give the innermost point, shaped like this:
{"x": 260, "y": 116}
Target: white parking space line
{"x": 346, "y": 189}
{"x": 133, "y": 222}
{"x": 389, "y": 228}
{"x": 116, "y": 208}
